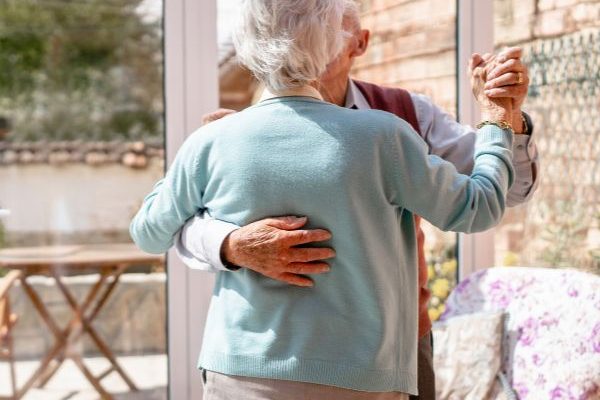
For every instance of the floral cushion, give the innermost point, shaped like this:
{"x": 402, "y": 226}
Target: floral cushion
{"x": 467, "y": 356}
{"x": 551, "y": 345}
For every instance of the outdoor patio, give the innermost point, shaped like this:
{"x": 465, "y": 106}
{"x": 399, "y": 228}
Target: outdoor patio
{"x": 149, "y": 372}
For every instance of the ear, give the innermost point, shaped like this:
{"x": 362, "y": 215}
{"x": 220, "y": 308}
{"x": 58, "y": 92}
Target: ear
{"x": 363, "y": 43}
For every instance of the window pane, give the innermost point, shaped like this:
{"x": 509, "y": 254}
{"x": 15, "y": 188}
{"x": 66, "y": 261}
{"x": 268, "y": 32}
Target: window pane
{"x": 413, "y": 46}
{"x": 560, "y": 226}
{"x": 81, "y": 144}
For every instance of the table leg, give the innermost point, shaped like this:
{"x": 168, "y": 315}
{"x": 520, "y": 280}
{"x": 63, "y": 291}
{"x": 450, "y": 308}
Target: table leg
{"x": 68, "y": 333}
{"x": 90, "y": 377}
{"x": 86, "y": 325}
{"x": 77, "y": 326}
{"x": 59, "y": 343}
{"x": 93, "y": 334}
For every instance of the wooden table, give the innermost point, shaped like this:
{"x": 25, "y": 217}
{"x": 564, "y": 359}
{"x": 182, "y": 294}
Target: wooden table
{"x": 109, "y": 262}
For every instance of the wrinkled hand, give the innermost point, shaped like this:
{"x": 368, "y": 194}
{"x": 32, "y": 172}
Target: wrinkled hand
{"x": 492, "y": 108}
{"x": 503, "y": 79}
{"x": 216, "y": 115}
{"x": 269, "y": 247}
{"x": 508, "y": 77}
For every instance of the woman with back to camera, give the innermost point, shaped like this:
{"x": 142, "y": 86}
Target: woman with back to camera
{"x": 359, "y": 174}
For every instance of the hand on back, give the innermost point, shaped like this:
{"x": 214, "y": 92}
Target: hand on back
{"x": 271, "y": 248}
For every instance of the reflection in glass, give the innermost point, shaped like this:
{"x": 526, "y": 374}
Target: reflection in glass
{"x": 81, "y": 143}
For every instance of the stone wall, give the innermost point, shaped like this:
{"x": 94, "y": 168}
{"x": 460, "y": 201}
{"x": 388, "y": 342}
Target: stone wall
{"x": 74, "y": 202}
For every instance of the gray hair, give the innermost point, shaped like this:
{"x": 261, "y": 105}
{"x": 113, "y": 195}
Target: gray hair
{"x": 289, "y": 43}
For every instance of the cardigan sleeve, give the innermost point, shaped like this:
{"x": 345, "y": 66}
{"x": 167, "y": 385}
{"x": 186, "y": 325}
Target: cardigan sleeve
{"x": 432, "y": 188}
{"x": 174, "y": 200}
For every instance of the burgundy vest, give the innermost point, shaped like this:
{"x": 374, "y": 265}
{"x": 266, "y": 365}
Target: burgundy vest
{"x": 398, "y": 102}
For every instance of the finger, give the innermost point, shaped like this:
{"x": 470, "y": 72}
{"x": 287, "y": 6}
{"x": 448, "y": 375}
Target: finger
{"x": 487, "y": 57}
{"x": 308, "y": 236}
{"x": 220, "y": 113}
{"x": 308, "y": 268}
{"x": 296, "y": 280}
{"x": 506, "y": 91}
{"x": 510, "y": 78}
{"x": 288, "y": 223}
{"x": 510, "y": 53}
{"x": 475, "y": 61}
{"x": 310, "y": 254}
{"x": 511, "y": 65}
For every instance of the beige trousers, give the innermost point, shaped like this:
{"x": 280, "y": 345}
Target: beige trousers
{"x": 227, "y": 387}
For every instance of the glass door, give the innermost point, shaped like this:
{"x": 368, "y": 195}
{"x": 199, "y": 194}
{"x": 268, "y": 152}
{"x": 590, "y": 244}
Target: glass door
{"x": 81, "y": 144}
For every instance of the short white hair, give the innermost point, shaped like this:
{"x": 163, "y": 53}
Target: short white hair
{"x": 289, "y": 43}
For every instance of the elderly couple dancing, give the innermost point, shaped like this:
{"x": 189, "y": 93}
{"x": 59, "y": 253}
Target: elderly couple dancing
{"x": 307, "y": 206}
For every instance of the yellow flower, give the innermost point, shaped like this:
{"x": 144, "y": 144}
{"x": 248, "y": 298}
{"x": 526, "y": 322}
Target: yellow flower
{"x": 510, "y": 259}
{"x": 434, "y": 302}
{"x": 440, "y": 288}
{"x": 442, "y": 308}
{"x": 449, "y": 268}
{"x": 430, "y": 272}
{"x": 434, "y": 314}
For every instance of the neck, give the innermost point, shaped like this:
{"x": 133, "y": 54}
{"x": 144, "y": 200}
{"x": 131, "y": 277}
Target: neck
{"x": 308, "y": 90}
{"x": 335, "y": 91}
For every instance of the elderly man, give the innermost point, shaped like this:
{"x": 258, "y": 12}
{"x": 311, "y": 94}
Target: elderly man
{"x": 270, "y": 246}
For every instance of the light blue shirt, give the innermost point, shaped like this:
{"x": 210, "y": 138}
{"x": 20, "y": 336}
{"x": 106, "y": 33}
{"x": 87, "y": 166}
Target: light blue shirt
{"x": 361, "y": 174}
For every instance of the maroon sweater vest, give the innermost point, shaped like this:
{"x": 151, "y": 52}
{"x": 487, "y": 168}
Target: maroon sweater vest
{"x": 399, "y": 102}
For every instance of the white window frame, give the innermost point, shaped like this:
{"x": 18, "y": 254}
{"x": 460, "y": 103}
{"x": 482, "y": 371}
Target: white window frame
{"x": 191, "y": 89}
{"x": 475, "y": 34}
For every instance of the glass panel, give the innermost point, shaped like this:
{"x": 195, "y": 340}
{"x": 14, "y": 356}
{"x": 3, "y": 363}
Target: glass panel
{"x": 560, "y": 226}
{"x": 81, "y": 143}
{"x": 413, "y": 46}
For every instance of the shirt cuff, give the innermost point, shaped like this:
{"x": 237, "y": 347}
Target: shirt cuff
{"x": 212, "y": 241}
{"x": 203, "y": 237}
{"x": 522, "y": 148}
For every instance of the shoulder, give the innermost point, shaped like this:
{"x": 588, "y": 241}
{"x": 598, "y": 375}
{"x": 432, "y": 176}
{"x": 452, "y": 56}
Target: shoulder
{"x": 386, "y": 123}
{"x": 383, "y": 118}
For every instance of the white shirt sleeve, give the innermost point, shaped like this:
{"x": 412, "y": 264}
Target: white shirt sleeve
{"x": 455, "y": 143}
{"x": 198, "y": 244}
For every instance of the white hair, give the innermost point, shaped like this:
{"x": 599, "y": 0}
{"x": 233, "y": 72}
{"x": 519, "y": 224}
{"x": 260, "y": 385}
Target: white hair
{"x": 289, "y": 43}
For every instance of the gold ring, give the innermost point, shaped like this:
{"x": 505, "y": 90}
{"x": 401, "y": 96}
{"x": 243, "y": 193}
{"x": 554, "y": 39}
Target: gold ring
{"x": 519, "y": 78}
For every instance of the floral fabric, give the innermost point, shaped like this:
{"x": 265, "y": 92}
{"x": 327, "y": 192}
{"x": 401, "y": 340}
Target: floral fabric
{"x": 467, "y": 356}
{"x": 551, "y": 344}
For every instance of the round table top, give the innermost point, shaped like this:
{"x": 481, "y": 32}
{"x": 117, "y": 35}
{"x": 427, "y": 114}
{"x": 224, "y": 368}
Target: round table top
{"x": 77, "y": 256}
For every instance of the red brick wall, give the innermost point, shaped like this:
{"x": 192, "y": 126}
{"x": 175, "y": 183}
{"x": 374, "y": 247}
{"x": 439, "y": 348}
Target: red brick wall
{"x": 412, "y": 46}
{"x": 521, "y": 21}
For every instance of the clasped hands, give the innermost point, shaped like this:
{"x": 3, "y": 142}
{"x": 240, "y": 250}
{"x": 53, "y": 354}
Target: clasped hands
{"x": 500, "y": 84}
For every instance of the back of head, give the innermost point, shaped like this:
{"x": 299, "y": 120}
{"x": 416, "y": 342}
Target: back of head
{"x": 289, "y": 43}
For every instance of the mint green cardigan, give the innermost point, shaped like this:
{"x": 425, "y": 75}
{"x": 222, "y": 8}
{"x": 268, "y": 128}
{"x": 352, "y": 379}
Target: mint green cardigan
{"x": 360, "y": 174}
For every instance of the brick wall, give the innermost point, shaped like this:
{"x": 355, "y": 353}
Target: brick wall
{"x": 522, "y": 21}
{"x": 412, "y": 46}
{"x": 413, "y": 42}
